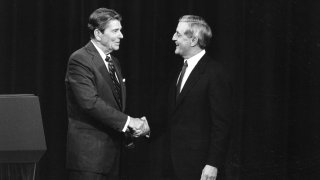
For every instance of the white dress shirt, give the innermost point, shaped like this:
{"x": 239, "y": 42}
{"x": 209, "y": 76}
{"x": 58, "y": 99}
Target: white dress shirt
{"x": 192, "y": 62}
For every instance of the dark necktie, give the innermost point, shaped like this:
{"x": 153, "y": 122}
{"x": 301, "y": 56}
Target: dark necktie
{"x": 184, "y": 67}
{"x": 116, "y": 84}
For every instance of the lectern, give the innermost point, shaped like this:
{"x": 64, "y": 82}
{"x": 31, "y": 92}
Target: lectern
{"x": 22, "y": 140}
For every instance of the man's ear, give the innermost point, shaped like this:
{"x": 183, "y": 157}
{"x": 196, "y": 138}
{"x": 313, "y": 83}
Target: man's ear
{"x": 194, "y": 41}
{"x": 97, "y": 34}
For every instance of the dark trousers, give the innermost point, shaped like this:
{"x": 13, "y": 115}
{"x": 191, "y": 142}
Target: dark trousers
{"x": 81, "y": 175}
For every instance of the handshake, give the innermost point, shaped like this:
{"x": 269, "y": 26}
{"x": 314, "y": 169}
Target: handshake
{"x": 139, "y": 127}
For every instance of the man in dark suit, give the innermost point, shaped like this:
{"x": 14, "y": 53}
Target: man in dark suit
{"x": 199, "y": 107}
{"x": 96, "y": 96}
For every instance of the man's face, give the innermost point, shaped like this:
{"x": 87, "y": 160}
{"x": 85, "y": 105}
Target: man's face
{"x": 110, "y": 38}
{"x": 183, "y": 43}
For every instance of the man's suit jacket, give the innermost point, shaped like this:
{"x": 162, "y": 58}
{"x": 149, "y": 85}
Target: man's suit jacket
{"x": 95, "y": 119}
{"x": 199, "y": 120}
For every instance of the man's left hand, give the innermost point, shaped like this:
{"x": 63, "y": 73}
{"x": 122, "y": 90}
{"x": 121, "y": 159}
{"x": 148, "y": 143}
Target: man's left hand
{"x": 209, "y": 173}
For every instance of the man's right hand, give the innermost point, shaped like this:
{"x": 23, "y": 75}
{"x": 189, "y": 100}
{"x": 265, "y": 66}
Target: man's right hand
{"x": 139, "y": 126}
{"x": 136, "y": 124}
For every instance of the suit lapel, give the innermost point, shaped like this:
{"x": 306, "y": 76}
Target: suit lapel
{"x": 192, "y": 79}
{"x": 122, "y": 84}
{"x": 99, "y": 62}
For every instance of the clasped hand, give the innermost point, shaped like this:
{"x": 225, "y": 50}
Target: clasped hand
{"x": 139, "y": 126}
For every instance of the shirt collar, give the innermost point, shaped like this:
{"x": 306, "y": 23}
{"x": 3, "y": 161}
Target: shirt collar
{"x": 195, "y": 59}
{"x": 102, "y": 54}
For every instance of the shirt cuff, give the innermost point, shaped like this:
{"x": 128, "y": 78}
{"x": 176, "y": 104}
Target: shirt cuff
{"x": 126, "y": 125}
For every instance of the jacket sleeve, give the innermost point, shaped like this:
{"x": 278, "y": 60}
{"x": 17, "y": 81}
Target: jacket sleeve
{"x": 221, "y": 111}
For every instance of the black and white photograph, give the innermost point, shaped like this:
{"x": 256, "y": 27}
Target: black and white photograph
{"x": 159, "y": 90}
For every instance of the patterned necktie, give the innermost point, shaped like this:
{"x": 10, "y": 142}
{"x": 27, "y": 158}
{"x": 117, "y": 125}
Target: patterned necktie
{"x": 116, "y": 84}
{"x": 184, "y": 67}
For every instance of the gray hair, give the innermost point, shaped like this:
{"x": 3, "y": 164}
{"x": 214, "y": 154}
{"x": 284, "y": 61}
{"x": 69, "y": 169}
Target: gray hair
{"x": 198, "y": 28}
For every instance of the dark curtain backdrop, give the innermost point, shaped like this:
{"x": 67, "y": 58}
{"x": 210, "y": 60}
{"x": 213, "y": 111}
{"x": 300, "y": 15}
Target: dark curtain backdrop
{"x": 271, "y": 49}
